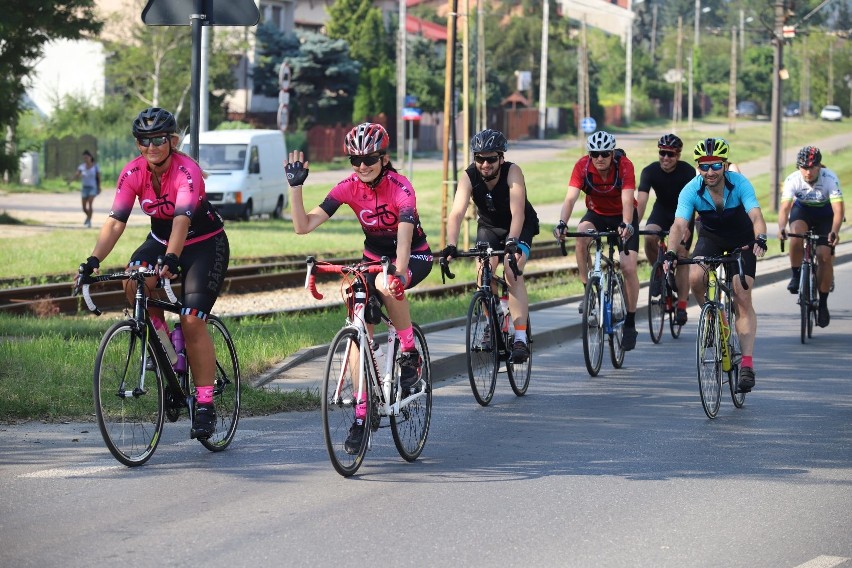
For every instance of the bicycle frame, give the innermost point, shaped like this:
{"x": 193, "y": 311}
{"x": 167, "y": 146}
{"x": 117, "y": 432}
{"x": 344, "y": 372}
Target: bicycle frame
{"x": 603, "y": 267}
{"x": 808, "y": 297}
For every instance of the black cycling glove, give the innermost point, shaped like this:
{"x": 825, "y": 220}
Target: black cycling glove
{"x": 297, "y": 173}
{"x": 761, "y": 242}
{"x": 511, "y": 246}
{"x": 92, "y": 263}
{"x": 671, "y": 255}
{"x": 171, "y": 261}
{"x": 449, "y": 250}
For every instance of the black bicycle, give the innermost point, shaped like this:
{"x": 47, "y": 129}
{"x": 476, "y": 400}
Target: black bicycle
{"x": 808, "y": 284}
{"x": 604, "y": 307}
{"x": 136, "y": 385}
{"x": 490, "y": 334}
{"x": 662, "y": 294}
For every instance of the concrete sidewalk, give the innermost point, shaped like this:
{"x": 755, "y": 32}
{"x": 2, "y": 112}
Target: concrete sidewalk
{"x": 552, "y": 323}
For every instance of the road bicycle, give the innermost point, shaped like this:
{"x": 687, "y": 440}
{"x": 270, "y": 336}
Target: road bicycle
{"x": 490, "y": 333}
{"x": 808, "y": 285}
{"x": 717, "y": 345}
{"x": 357, "y": 371}
{"x": 604, "y": 308}
{"x": 662, "y": 294}
{"x": 136, "y": 385}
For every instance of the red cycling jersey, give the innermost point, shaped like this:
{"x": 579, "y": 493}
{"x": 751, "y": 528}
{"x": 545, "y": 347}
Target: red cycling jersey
{"x": 181, "y": 193}
{"x": 602, "y": 195}
{"x": 380, "y": 210}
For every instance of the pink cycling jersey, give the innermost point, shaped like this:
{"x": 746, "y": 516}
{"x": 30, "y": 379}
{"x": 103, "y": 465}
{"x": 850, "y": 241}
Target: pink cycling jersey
{"x": 181, "y": 193}
{"x": 380, "y": 211}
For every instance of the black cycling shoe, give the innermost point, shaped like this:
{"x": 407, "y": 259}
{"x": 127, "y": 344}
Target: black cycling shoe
{"x": 352, "y": 445}
{"x": 746, "y": 382}
{"x": 204, "y": 423}
{"x": 520, "y": 352}
{"x": 681, "y": 316}
{"x": 793, "y": 286}
{"x": 409, "y": 365}
{"x": 823, "y": 317}
{"x": 628, "y": 340}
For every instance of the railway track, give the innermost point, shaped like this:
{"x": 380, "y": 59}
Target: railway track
{"x": 242, "y": 279}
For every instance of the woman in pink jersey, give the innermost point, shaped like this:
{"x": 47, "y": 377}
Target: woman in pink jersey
{"x": 384, "y": 202}
{"x": 187, "y": 237}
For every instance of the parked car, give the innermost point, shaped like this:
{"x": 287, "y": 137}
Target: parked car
{"x": 245, "y": 171}
{"x": 792, "y": 109}
{"x": 747, "y": 108}
{"x": 831, "y": 112}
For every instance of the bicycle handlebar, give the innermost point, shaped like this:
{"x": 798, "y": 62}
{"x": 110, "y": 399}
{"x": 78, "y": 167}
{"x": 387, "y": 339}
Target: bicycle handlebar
{"x": 660, "y": 233}
{"x": 85, "y": 281}
{"x": 730, "y": 258}
{"x": 590, "y": 234}
{"x": 810, "y": 235}
{"x": 369, "y": 267}
{"x": 483, "y": 252}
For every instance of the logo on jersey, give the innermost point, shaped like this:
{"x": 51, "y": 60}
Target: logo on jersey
{"x": 382, "y": 215}
{"x": 150, "y": 207}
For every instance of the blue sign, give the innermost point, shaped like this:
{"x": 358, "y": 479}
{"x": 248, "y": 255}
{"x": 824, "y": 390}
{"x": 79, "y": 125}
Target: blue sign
{"x": 409, "y": 113}
{"x": 588, "y": 125}
{"x": 410, "y": 100}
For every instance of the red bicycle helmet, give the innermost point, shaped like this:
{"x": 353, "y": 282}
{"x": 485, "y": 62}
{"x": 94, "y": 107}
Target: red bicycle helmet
{"x": 367, "y": 138}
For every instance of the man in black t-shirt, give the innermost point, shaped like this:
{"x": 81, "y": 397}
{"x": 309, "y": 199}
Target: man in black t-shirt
{"x": 667, "y": 177}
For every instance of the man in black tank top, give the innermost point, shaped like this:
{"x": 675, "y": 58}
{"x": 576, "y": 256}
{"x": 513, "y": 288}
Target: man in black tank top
{"x": 506, "y": 220}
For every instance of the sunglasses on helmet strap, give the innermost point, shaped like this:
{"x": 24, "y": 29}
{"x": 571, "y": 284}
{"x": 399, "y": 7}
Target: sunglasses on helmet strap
{"x": 366, "y": 160}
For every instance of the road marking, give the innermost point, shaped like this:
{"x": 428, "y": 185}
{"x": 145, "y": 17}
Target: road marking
{"x": 91, "y": 468}
{"x": 823, "y": 562}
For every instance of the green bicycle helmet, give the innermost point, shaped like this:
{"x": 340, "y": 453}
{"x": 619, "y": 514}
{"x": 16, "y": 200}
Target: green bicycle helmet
{"x": 711, "y": 148}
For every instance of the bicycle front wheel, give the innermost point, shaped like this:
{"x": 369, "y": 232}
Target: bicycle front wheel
{"x": 618, "y": 312}
{"x": 519, "y": 373}
{"x": 814, "y": 296}
{"x": 226, "y": 386}
{"x": 593, "y": 327}
{"x": 708, "y": 357}
{"x": 483, "y": 360}
{"x": 339, "y": 397}
{"x": 657, "y": 303}
{"x": 805, "y": 302}
{"x": 128, "y": 392}
{"x": 411, "y": 426}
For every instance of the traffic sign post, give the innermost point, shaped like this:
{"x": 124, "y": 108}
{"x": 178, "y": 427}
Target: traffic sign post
{"x": 198, "y": 13}
{"x": 410, "y": 115}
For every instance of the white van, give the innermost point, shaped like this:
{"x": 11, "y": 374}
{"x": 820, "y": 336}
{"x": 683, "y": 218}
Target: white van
{"x": 245, "y": 171}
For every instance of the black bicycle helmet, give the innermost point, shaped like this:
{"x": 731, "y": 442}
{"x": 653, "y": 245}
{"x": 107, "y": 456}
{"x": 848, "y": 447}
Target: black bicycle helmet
{"x": 711, "y": 148}
{"x": 488, "y": 141}
{"x": 154, "y": 120}
{"x": 670, "y": 141}
{"x": 808, "y": 157}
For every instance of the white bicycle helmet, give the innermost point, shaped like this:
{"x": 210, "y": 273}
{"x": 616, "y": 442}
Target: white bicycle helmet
{"x": 600, "y": 141}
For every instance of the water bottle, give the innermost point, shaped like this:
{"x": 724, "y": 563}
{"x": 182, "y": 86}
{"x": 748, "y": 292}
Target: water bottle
{"x": 163, "y": 333}
{"x": 726, "y": 345}
{"x": 180, "y": 349}
{"x": 508, "y": 325}
{"x": 379, "y": 358}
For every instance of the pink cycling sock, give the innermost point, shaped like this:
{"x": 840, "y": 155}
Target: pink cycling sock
{"x": 406, "y": 338}
{"x": 747, "y": 361}
{"x": 204, "y": 395}
{"x": 361, "y": 410}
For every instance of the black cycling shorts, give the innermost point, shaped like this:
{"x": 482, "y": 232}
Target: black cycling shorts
{"x": 611, "y": 223}
{"x": 816, "y": 219}
{"x": 496, "y": 236}
{"x": 664, "y": 219}
{"x": 712, "y": 245}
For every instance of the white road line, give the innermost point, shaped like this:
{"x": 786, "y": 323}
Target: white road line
{"x": 823, "y": 562}
{"x": 91, "y": 468}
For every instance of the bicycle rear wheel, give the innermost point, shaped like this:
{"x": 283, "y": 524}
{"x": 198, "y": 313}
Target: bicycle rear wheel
{"x": 708, "y": 358}
{"x": 806, "y": 328}
{"x": 226, "y": 387}
{"x": 128, "y": 392}
{"x": 483, "y": 360}
{"x": 656, "y": 304}
{"x": 618, "y": 311}
{"x": 519, "y": 373}
{"x": 593, "y": 326}
{"x": 339, "y": 397}
{"x": 411, "y": 426}
{"x": 814, "y": 296}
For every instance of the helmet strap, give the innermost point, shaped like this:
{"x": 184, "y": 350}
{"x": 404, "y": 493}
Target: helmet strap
{"x": 166, "y": 159}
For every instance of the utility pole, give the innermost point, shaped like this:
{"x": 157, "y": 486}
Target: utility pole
{"x": 400, "y": 83}
{"x": 449, "y": 88}
{"x": 777, "y": 65}
{"x": 542, "y": 82}
{"x": 653, "y": 32}
{"x": 678, "y": 90}
{"x": 732, "y": 85}
{"x": 628, "y": 72}
{"x": 465, "y": 70}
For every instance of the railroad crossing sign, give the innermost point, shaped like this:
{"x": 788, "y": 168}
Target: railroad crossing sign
{"x": 588, "y": 125}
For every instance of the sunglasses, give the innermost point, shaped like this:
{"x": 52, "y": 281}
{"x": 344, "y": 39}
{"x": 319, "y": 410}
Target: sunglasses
{"x": 155, "y": 140}
{"x": 714, "y": 166}
{"x": 667, "y": 154}
{"x": 600, "y": 154}
{"x": 366, "y": 160}
{"x": 483, "y": 159}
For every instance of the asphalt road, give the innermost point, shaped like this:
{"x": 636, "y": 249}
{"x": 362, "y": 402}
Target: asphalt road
{"x": 622, "y": 470}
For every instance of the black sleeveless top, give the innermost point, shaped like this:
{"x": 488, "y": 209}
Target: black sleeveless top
{"x": 493, "y": 205}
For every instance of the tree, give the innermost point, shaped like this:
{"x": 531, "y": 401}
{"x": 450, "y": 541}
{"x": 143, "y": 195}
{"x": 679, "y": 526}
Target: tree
{"x": 25, "y": 28}
{"x": 323, "y": 76}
